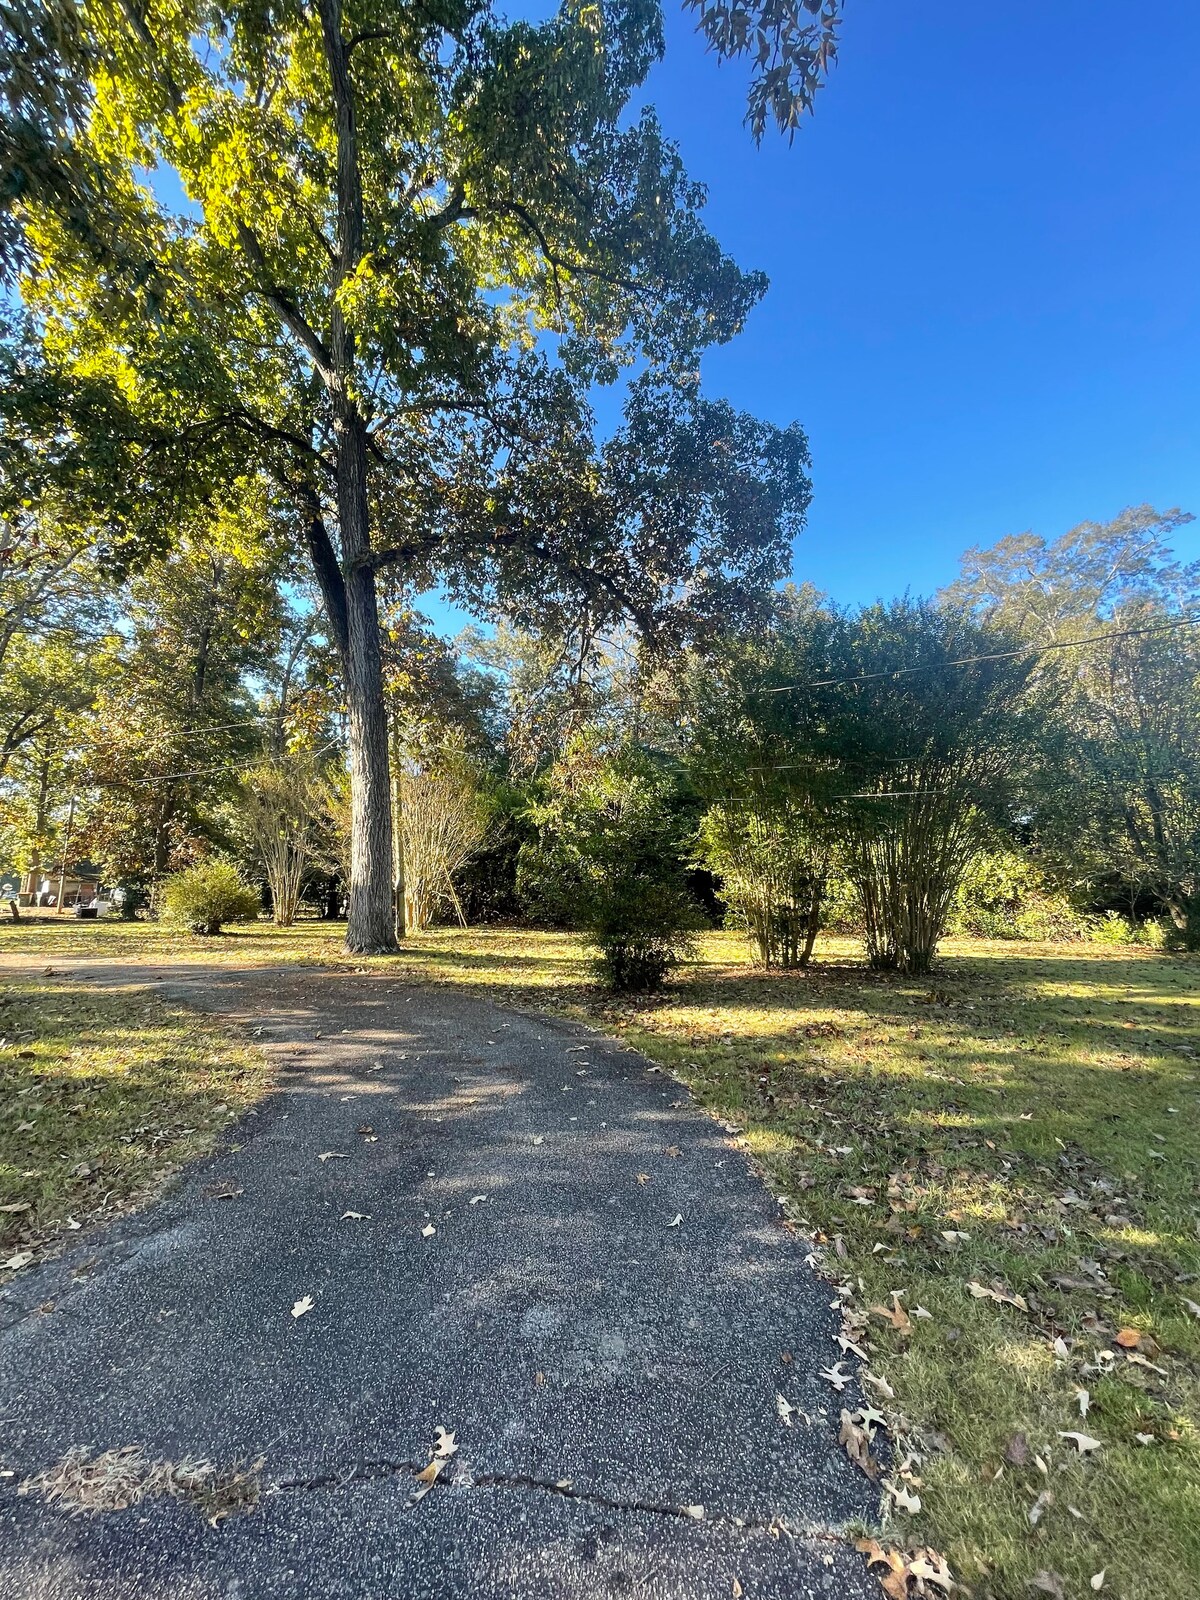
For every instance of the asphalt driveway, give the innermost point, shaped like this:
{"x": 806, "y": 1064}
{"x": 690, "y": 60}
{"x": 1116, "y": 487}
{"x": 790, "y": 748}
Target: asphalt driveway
{"x": 509, "y": 1229}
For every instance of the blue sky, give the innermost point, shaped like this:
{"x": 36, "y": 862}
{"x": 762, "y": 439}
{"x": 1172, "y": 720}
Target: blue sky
{"x": 984, "y": 303}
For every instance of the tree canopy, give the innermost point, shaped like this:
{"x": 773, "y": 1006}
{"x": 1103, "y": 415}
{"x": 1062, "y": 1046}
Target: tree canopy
{"x": 382, "y": 253}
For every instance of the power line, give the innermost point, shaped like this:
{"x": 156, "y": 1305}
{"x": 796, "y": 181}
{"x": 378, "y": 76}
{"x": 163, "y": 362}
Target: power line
{"x": 994, "y": 655}
{"x": 204, "y": 772}
{"x": 222, "y": 727}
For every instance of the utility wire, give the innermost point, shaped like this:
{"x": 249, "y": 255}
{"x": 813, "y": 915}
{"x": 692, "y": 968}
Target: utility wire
{"x": 221, "y": 727}
{"x": 204, "y": 772}
{"x": 994, "y": 655}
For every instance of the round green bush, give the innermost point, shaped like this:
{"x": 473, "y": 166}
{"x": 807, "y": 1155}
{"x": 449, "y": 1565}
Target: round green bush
{"x": 208, "y": 896}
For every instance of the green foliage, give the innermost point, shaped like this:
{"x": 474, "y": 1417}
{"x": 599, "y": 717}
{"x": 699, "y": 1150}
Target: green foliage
{"x": 1113, "y": 928}
{"x": 413, "y": 238}
{"x": 443, "y": 816}
{"x": 609, "y": 860}
{"x": 841, "y": 908}
{"x": 172, "y": 727}
{"x": 278, "y": 812}
{"x": 1119, "y": 806}
{"x": 134, "y": 898}
{"x": 772, "y": 872}
{"x": 209, "y": 895}
{"x": 861, "y": 741}
{"x": 1003, "y": 894}
{"x": 792, "y": 47}
{"x": 926, "y": 718}
{"x": 768, "y": 833}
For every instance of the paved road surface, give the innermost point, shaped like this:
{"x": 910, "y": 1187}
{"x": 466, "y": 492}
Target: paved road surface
{"x": 605, "y": 1373}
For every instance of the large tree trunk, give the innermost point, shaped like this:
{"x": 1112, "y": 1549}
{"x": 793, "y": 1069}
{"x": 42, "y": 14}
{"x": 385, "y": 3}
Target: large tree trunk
{"x": 372, "y": 921}
{"x": 372, "y": 925}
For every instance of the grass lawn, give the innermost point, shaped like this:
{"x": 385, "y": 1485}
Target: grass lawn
{"x": 102, "y": 1095}
{"x": 1026, "y": 1121}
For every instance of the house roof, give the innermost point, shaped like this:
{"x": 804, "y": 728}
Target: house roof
{"x": 87, "y": 870}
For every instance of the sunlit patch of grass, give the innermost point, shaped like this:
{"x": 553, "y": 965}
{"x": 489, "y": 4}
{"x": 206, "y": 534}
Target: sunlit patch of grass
{"x": 102, "y": 1095}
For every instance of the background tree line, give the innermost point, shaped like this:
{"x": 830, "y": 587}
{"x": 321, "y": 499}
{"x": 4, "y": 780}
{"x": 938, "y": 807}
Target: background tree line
{"x": 1016, "y": 756}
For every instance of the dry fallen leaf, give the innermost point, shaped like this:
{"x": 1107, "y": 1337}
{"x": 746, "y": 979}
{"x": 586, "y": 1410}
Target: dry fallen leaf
{"x": 925, "y": 1566}
{"x": 1038, "y": 1508}
{"x": 1084, "y": 1442}
{"x": 929, "y": 1567}
{"x": 1129, "y": 1338}
{"x": 333, "y": 1155}
{"x": 303, "y": 1305}
{"x": 1002, "y": 1297}
{"x": 675, "y": 1220}
{"x": 427, "y": 1477}
{"x": 785, "y": 1409}
{"x": 894, "y": 1581}
{"x": 871, "y": 1418}
{"x": 857, "y": 1445}
{"x": 21, "y": 1259}
{"x": 23, "y": 1205}
{"x": 1084, "y": 1399}
{"x": 444, "y": 1447}
{"x": 836, "y": 1376}
{"x": 1097, "y": 1579}
{"x": 354, "y": 1216}
{"x": 895, "y": 1314}
{"x": 736, "y": 1591}
{"x": 428, "y": 1231}
{"x": 644, "y": 1177}
{"x": 1016, "y": 1451}
{"x": 477, "y": 1199}
{"x": 903, "y": 1497}
{"x": 881, "y": 1384}
{"x": 695, "y": 1512}
{"x": 1138, "y": 1360}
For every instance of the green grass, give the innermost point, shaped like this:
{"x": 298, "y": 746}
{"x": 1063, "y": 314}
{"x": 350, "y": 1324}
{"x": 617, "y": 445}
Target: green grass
{"x": 103, "y": 1094}
{"x": 1041, "y": 1100}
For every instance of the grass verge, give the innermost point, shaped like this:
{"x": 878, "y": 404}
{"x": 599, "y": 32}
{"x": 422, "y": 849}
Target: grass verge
{"x": 103, "y": 1095}
{"x": 1025, "y": 1121}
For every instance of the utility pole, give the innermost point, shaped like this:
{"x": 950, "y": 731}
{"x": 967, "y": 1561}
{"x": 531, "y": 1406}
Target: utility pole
{"x": 62, "y": 876}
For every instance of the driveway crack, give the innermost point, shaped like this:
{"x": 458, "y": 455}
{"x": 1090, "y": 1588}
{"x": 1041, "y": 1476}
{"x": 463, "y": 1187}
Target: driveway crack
{"x": 373, "y": 1471}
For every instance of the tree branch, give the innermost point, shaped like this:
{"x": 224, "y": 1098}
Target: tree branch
{"x": 559, "y": 263}
{"x": 325, "y": 565}
{"x": 282, "y": 304}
